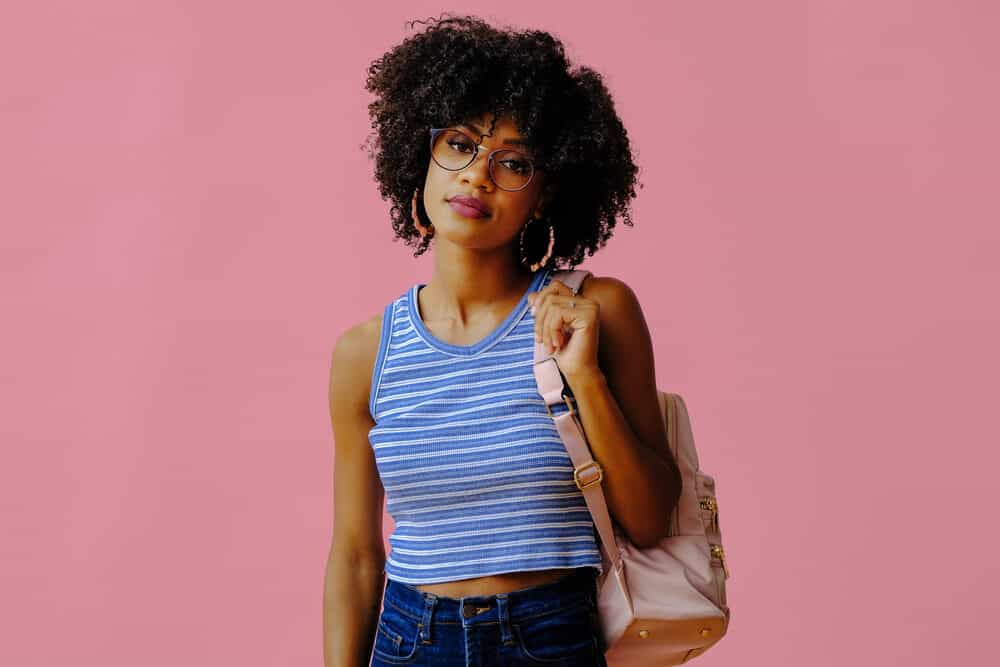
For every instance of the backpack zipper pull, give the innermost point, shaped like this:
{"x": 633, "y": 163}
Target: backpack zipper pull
{"x": 709, "y": 503}
{"x": 719, "y": 554}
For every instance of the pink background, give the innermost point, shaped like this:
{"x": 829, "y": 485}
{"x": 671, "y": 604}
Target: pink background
{"x": 189, "y": 222}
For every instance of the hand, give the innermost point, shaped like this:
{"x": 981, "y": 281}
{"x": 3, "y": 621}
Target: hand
{"x": 568, "y": 326}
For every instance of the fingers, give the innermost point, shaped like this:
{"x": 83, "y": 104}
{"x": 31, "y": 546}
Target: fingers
{"x": 550, "y": 322}
{"x": 550, "y": 306}
{"x": 552, "y": 326}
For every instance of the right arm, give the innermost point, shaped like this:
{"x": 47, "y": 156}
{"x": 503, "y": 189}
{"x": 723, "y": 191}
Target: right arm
{"x": 354, "y": 581}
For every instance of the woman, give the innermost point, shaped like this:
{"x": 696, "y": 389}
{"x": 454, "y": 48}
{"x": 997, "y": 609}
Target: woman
{"x": 509, "y": 164}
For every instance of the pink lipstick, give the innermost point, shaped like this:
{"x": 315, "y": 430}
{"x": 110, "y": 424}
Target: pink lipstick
{"x": 470, "y": 207}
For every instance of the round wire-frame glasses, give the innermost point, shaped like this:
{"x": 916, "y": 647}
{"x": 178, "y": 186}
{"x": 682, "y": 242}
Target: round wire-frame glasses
{"x": 436, "y": 131}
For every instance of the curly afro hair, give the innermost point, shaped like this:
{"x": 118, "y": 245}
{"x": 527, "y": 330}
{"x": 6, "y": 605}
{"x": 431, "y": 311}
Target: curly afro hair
{"x": 461, "y": 68}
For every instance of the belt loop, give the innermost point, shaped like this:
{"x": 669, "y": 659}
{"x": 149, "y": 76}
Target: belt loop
{"x": 425, "y": 621}
{"x": 503, "y": 612}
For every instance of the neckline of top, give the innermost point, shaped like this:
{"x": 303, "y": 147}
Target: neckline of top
{"x": 475, "y": 348}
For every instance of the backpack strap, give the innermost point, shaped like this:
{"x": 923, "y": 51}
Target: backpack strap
{"x": 587, "y": 472}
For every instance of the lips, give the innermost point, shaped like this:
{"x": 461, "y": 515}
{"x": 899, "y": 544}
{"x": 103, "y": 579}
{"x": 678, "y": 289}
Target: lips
{"x": 471, "y": 202}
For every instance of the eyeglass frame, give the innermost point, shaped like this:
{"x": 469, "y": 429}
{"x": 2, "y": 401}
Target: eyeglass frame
{"x": 435, "y": 131}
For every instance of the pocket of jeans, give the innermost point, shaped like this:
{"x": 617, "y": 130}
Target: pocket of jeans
{"x": 397, "y": 637}
{"x": 565, "y": 637}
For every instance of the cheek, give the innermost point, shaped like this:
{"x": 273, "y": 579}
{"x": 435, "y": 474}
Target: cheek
{"x": 435, "y": 188}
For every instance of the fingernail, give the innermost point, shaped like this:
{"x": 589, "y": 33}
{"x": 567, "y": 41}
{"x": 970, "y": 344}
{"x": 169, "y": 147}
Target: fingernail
{"x": 532, "y": 310}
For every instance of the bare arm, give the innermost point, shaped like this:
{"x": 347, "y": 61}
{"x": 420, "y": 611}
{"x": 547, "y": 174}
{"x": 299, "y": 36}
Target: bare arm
{"x": 354, "y": 580}
{"x": 617, "y": 400}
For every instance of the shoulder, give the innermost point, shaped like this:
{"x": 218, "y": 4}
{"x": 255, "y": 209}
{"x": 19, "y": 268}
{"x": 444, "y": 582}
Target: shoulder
{"x": 608, "y": 291}
{"x": 623, "y": 328}
{"x": 617, "y": 302}
{"x": 615, "y": 298}
{"x": 362, "y": 336}
{"x": 353, "y": 358}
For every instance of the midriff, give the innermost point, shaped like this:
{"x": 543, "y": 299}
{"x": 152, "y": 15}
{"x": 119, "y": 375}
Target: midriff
{"x": 493, "y": 584}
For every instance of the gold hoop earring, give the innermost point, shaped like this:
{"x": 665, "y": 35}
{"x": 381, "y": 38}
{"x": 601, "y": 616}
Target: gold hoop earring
{"x": 424, "y": 231}
{"x": 548, "y": 253}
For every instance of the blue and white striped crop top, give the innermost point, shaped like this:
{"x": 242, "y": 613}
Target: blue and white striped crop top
{"x": 476, "y": 477}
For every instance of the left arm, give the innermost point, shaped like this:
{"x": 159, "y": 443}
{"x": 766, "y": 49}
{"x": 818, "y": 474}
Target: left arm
{"x": 614, "y": 384}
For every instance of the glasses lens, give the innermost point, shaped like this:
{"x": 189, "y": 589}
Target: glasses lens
{"x": 511, "y": 170}
{"x": 454, "y": 150}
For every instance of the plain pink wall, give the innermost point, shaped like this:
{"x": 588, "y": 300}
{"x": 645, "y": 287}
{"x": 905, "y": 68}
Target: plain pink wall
{"x": 189, "y": 222}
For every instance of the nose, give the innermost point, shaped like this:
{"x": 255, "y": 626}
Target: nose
{"x": 477, "y": 172}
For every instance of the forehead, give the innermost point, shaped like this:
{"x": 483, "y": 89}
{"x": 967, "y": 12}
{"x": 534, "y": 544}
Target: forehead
{"x": 504, "y": 131}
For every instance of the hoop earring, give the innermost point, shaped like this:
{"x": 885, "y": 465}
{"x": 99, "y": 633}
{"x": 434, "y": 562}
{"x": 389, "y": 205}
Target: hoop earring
{"x": 548, "y": 253}
{"x": 424, "y": 231}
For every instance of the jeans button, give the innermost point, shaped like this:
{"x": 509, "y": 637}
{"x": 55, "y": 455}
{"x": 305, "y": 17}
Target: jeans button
{"x": 469, "y": 610}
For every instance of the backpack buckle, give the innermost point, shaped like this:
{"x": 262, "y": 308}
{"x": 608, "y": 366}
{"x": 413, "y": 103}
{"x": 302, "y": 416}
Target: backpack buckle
{"x": 591, "y": 465}
{"x": 569, "y": 404}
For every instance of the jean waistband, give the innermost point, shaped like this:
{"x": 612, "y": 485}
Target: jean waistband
{"x": 577, "y": 588}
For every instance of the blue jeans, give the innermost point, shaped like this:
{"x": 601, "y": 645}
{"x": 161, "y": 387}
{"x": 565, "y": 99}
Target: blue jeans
{"x": 554, "y": 623}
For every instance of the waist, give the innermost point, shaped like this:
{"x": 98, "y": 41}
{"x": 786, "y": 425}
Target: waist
{"x": 493, "y": 584}
{"x": 568, "y": 587}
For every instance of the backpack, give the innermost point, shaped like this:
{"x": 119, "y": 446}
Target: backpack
{"x": 666, "y": 604}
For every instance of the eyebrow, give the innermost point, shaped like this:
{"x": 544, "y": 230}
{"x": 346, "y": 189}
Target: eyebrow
{"x": 511, "y": 142}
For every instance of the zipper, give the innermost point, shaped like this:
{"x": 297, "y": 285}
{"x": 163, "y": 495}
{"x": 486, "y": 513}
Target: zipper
{"x": 709, "y": 504}
{"x": 720, "y": 555}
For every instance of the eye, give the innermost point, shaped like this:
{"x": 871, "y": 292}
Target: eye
{"x": 459, "y": 144}
{"x": 518, "y": 166}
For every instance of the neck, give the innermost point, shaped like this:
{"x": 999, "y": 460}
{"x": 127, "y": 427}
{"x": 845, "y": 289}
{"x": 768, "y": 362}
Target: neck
{"x": 466, "y": 286}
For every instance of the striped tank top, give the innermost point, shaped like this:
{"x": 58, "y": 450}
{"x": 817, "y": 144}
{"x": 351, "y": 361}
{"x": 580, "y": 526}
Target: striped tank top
{"x": 476, "y": 478}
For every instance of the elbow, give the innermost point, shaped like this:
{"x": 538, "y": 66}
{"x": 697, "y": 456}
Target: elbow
{"x": 650, "y": 540}
{"x": 652, "y": 533}
{"x": 644, "y": 543}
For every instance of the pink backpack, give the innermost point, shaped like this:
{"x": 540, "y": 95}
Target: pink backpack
{"x": 666, "y": 604}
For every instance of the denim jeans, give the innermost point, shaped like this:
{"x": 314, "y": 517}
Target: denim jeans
{"x": 554, "y": 623}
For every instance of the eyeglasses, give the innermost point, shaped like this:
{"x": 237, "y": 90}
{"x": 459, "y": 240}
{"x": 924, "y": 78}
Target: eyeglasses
{"x": 455, "y": 150}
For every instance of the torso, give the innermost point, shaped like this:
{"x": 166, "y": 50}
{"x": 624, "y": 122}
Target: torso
{"x": 497, "y": 583}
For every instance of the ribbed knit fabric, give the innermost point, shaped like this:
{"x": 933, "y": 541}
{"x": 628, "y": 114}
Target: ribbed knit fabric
{"x": 476, "y": 477}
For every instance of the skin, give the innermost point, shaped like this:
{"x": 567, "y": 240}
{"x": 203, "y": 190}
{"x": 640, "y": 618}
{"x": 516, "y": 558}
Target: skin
{"x": 602, "y": 346}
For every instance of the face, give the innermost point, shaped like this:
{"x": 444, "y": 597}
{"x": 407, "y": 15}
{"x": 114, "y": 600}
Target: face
{"x": 507, "y": 211}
